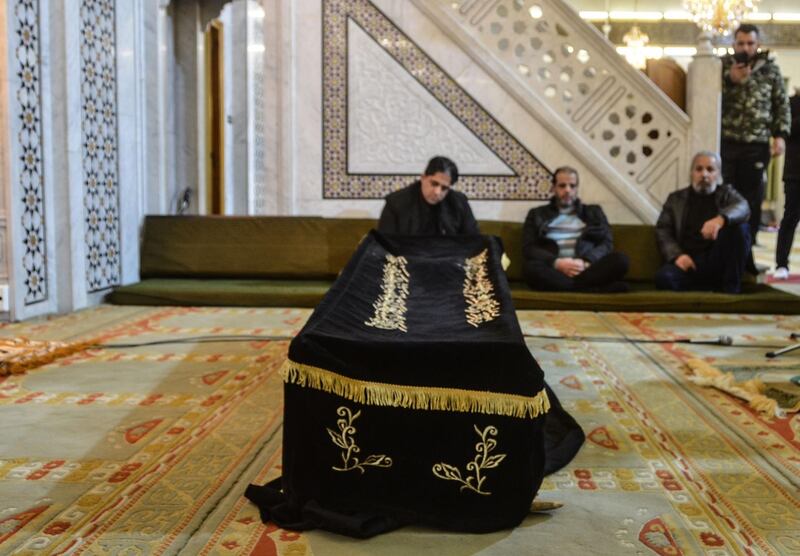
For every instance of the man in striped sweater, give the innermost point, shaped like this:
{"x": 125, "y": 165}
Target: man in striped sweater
{"x": 568, "y": 246}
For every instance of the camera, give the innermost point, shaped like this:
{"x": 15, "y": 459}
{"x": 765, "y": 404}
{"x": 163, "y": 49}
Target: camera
{"x": 741, "y": 57}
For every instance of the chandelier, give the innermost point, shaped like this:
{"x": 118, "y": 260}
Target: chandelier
{"x": 719, "y": 17}
{"x": 636, "y": 42}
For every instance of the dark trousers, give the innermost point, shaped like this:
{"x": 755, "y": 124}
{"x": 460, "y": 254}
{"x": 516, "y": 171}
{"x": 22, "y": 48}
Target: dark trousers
{"x": 743, "y": 166}
{"x": 540, "y": 275}
{"x": 791, "y": 216}
{"x": 720, "y": 268}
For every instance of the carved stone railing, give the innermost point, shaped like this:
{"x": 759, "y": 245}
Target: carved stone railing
{"x": 570, "y": 78}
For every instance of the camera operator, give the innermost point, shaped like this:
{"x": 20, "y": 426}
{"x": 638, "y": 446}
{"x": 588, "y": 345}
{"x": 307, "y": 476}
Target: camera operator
{"x": 755, "y": 109}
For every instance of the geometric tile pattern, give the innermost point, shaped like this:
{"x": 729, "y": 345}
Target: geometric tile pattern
{"x": 530, "y": 178}
{"x": 99, "y": 143}
{"x": 29, "y": 136}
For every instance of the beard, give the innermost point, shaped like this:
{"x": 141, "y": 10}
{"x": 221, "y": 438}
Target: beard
{"x": 704, "y": 187}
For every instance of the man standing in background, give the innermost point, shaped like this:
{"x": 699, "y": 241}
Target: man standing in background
{"x": 755, "y": 109}
{"x": 791, "y": 187}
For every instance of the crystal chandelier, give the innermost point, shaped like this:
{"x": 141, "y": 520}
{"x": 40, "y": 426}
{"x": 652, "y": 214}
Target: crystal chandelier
{"x": 635, "y": 42}
{"x": 719, "y": 17}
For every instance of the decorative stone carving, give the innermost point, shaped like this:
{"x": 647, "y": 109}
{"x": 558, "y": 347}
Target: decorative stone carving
{"x": 529, "y": 178}
{"x": 564, "y": 63}
{"x": 395, "y": 126}
{"x": 29, "y": 168}
{"x": 99, "y": 143}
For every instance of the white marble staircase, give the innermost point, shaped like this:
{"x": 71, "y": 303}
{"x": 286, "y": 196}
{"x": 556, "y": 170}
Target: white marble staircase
{"x": 570, "y": 78}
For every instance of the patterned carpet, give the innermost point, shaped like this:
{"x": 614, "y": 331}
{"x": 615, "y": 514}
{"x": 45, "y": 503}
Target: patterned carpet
{"x": 147, "y": 450}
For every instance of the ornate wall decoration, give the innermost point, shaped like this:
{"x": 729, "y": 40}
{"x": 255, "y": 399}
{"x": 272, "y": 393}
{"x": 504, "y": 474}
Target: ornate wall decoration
{"x": 558, "y": 58}
{"x": 99, "y": 143}
{"x": 395, "y": 125}
{"x": 529, "y": 178}
{"x": 29, "y": 136}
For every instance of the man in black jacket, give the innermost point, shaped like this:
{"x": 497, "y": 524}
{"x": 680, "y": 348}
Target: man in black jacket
{"x": 702, "y": 232}
{"x": 568, "y": 246}
{"x": 791, "y": 187}
{"x": 429, "y": 206}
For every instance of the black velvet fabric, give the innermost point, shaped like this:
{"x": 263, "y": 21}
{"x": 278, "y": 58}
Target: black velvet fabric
{"x": 439, "y": 349}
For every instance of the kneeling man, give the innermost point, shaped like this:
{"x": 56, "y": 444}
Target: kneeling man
{"x": 702, "y": 232}
{"x": 567, "y": 245}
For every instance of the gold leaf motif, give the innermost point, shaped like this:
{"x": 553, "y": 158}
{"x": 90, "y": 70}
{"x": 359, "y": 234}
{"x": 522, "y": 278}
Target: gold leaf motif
{"x": 478, "y": 291}
{"x": 390, "y": 307}
{"x": 344, "y": 440}
{"x": 482, "y": 461}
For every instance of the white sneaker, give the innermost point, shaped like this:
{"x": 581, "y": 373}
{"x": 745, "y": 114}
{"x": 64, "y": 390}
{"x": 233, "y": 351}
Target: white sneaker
{"x": 781, "y": 273}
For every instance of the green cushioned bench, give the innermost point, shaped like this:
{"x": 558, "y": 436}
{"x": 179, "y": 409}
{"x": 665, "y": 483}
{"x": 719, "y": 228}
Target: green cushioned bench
{"x": 291, "y": 261}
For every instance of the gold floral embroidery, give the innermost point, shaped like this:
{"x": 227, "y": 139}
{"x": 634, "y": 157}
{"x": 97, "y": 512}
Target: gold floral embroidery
{"x": 390, "y": 307}
{"x": 478, "y": 291}
{"x": 344, "y": 440}
{"x": 481, "y": 462}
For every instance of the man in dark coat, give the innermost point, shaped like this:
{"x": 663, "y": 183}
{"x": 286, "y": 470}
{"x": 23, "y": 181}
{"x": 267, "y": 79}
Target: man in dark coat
{"x": 755, "y": 113}
{"x": 702, "y": 232}
{"x": 429, "y": 206}
{"x": 567, "y": 245}
{"x": 791, "y": 187}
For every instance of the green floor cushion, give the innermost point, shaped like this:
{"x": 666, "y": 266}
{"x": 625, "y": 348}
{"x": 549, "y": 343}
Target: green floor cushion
{"x": 221, "y": 292}
{"x": 757, "y": 299}
{"x": 643, "y": 297}
{"x": 235, "y": 247}
{"x": 291, "y": 261}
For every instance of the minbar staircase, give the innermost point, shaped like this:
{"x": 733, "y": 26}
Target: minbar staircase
{"x": 570, "y": 78}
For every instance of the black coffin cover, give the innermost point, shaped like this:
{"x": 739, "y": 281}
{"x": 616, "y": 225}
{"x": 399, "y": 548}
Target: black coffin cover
{"x": 411, "y": 397}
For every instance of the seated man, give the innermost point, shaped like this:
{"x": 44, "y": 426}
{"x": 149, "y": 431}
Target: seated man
{"x": 568, "y": 246}
{"x": 702, "y": 232}
{"x": 428, "y": 206}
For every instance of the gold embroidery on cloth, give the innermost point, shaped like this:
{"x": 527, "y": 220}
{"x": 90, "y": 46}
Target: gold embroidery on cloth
{"x": 482, "y": 462}
{"x": 344, "y": 440}
{"x": 390, "y": 307}
{"x": 415, "y": 397}
{"x": 478, "y": 291}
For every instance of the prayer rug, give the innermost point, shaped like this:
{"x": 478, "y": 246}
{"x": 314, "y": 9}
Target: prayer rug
{"x": 148, "y": 450}
{"x": 792, "y": 279}
{"x": 127, "y": 451}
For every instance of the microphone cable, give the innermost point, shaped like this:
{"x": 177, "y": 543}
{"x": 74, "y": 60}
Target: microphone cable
{"x": 191, "y": 340}
{"x": 721, "y": 340}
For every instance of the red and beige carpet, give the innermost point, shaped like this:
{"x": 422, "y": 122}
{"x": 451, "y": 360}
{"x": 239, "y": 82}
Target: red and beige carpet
{"x": 147, "y": 450}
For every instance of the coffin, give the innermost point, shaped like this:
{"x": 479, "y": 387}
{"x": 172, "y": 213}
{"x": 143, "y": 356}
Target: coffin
{"x": 411, "y": 397}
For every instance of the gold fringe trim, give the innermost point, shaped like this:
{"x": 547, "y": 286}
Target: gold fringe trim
{"x": 415, "y": 397}
{"x": 705, "y": 374}
{"x": 18, "y": 355}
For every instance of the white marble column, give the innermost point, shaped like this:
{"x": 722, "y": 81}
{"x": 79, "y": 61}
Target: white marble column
{"x": 236, "y": 86}
{"x": 279, "y": 107}
{"x": 256, "y": 105}
{"x": 704, "y": 97}
{"x": 32, "y": 81}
